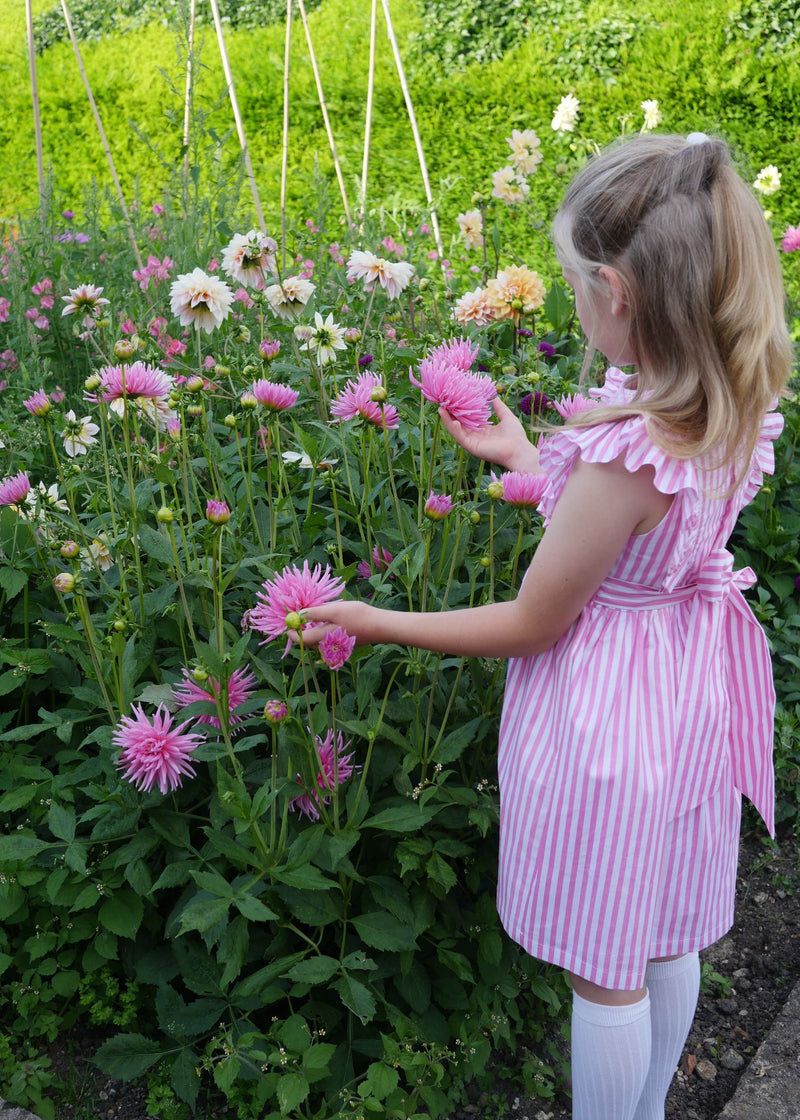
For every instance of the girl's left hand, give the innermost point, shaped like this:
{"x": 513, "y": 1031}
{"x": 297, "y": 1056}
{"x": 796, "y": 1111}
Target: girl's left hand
{"x": 353, "y": 616}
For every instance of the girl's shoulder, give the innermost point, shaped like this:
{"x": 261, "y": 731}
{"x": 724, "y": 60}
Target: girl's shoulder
{"x": 629, "y": 441}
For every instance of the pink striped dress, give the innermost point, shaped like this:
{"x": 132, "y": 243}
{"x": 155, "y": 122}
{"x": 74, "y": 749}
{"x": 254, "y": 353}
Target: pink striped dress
{"x": 624, "y": 748}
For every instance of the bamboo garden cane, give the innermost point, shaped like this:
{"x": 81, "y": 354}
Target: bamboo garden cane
{"x": 370, "y": 99}
{"x": 187, "y": 103}
{"x": 101, "y": 131}
{"x": 413, "y": 120}
{"x": 237, "y": 116}
{"x": 285, "y": 144}
{"x": 324, "y": 108}
{"x": 37, "y": 117}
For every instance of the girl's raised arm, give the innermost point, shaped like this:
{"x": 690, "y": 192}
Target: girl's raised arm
{"x": 601, "y": 506}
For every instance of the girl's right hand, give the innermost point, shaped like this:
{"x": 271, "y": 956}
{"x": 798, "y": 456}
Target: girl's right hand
{"x": 505, "y": 443}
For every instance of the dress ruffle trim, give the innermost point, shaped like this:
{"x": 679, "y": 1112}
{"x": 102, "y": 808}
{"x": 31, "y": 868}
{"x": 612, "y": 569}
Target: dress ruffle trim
{"x": 606, "y": 442}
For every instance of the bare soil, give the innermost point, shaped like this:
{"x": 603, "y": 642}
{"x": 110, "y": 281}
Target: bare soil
{"x": 748, "y": 976}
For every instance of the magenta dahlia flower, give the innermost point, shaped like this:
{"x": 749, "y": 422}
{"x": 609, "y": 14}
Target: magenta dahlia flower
{"x": 291, "y": 592}
{"x": 336, "y": 769}
{"x": 143, "y": 385}
{"x": 274, "y": 396}
{"x": 438, "y": 506}
{"x": 520, "y": 488}
{"x": 445, "y": 380}
{"x": 569, "y": 405}
{"x": 365, "y": 397}
{"x": 336, "y": 647}
{"x": 791, "y": 239}
{"x": 14, "y": 489}
{"x": 241, "y": 685}
{"x": 38, "y": 404}
{"x": 154, "y": 753}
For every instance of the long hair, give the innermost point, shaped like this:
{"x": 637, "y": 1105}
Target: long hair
{"x": 703, "y": 280}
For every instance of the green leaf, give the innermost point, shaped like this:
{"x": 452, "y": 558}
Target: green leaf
{"x": 356, "y": 996}
{"x": 156, "y": 544}
{"x": 17, "y": 798}
{"x": 457, "y": 963}
{"x": 127, "y": 1056}
{"x": 61, "y": 821}
{"x": 382, "y": 1079}
{"x": 382, "y": 931}
{"x": 292, "y": 1091}
{"x": 20, "y": 846}
{"x": 315, "y": 970}
{"x": 203, "y": 914}
{"x": 401, "y": 818}
{"x": 122, "y": 913}
{"x": 253, "y": 908}
{"x": 12, "y": 581}
{"x": 183, "y": 1076}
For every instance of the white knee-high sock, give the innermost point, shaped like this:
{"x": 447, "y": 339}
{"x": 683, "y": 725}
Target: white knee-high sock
{"x": 610, "y": 1058}
{"x": 673, "y": 987}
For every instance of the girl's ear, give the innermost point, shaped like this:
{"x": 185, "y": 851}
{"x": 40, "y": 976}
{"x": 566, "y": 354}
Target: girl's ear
{"x": 617, "y": 290}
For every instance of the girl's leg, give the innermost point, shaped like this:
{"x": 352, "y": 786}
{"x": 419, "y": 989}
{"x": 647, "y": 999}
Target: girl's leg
{"x": 610, "y": 1050}
{"x": 673, "y": 984}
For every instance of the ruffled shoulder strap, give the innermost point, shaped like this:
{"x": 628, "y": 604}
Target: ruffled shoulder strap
{"x": 763, "y": 461}
{"x": 603, "y": 443}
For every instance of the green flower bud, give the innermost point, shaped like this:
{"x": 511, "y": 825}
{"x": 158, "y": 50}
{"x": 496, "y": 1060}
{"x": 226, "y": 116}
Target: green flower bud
{"x": 294, "y": 621}
{"x": 165, "y": 515}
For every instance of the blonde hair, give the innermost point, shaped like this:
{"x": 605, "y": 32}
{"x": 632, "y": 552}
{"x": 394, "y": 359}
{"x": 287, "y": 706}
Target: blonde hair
{"x": 701, "y": 273}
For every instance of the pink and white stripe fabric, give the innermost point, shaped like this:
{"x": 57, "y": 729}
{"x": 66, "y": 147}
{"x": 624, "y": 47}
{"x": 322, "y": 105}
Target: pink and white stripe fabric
{"x": 624, "y": 748}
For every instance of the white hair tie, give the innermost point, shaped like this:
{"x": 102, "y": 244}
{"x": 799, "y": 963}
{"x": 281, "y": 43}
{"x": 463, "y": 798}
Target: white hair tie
{"x": 697, "y": 138}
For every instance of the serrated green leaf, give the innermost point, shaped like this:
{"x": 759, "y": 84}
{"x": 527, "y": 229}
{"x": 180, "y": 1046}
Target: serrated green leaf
{"x": 183, "y": 1076}
{"x": 127, "y": 1056}
{"x": 315, "y": 970}
{"x": 17, "y": 798}
{"x": 356, "y": 996}
{"x": 253, "y": 908}
{"x": 61, "y": 821}
{"x": 122, "y": 913}
{"x": 382, "y": 931}
{"x": 401, "y": 818}
{"x": 20, "y": 846}
{"x": 382, "y": 1079}
{"x": 203, "y": 914}
{"x": 292, "y": 1091}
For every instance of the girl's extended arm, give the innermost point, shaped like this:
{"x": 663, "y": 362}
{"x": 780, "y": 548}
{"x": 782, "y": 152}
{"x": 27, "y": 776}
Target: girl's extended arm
{"x": 601, "y": 506}
{"x": 505, "y": 443}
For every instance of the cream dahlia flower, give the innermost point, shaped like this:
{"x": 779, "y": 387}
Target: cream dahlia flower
{"x": 509, "y": 186}
{"x": 525, "y": 154}
{"x": 471, "y": 226}
{"x": 199, "y": 299}
{"x": 249, "y": 258}
{"x": 288, "y": 299}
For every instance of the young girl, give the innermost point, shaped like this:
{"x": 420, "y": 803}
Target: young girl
{"x": 639, "y": 697}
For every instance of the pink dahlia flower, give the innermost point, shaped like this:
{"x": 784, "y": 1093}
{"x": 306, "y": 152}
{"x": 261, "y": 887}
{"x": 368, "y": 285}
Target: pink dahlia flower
{"x": 447, "y": 381}
{"x": 291, "y": 592}
{"x": 217, "y": 512}
{"x": 521, "y": 488}
{"x": 336, "y": 647}
{"x": 364, "y": 397}
{"x": 336, "y": 769}
{"x": 14, "y": 489}
{"x": 381, "y": 558}
{"x": 145, "y": 386}
{"x": 38, "y": 404}
{"x": 438, "y": 506}
{"x": 274, "y": 396}
{"x": 791, "y": 239}
{"x": 569, "y": 405}
{"x": 154, "y": 753}
{"x": 241, "y": 685}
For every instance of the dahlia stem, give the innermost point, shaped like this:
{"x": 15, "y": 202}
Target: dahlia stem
{"x": 91, "y": 639}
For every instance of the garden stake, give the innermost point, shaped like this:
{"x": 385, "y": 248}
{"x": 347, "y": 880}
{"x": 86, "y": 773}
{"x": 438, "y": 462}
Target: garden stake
{"x": 415, "y": 130}
{"x": 37, "y": 117}
{"x": 226, "y": 66}
{"x": 324, "y": 108}
{"x": 285, "y": 148}
{"x": 101, "y": 131}
{"x": 368, "y": 121}
{"x": 187, "y": 104}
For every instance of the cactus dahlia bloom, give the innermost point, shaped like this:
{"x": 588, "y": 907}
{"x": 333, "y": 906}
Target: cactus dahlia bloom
{"x": 154, "y": 753}
{"x": 336, "y": 769}
{"x": 292, "y": 591}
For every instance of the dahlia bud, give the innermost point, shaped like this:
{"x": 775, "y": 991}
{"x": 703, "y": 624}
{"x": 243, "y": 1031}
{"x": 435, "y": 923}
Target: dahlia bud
{"x": 275, "y": 711}
{"x": 120, "y": 625}
{"x": 495, "y": 489}
{"x": 218, "y": 513}
{"x": 352, "y": 334}
{"x": 248, "y": 400}
{"x": 475, "y": 517}
{"x": 195, "y": 410}
{"x": 229, "y": 421}
{"x": 124, "y": 348}
{"x": 242, "y": 335}
{"x": 486, "y": 561}
{"x": 195, "y": 384}
{"x": 64, "y": 582}
{"x": 222, "y": 371}
{"x": 92, "y": 382}
{"x": 378, "y": 394}
{"x": 294, "y": 621}
{"x": 517, "y": 304}
{"x": 69, "y": 550}
{"x": 165, "y": 515}
{"x": 199, "y": 674}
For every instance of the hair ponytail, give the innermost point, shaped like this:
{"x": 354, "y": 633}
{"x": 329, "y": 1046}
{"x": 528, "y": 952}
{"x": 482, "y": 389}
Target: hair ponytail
{"x": 691, "y": 245}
